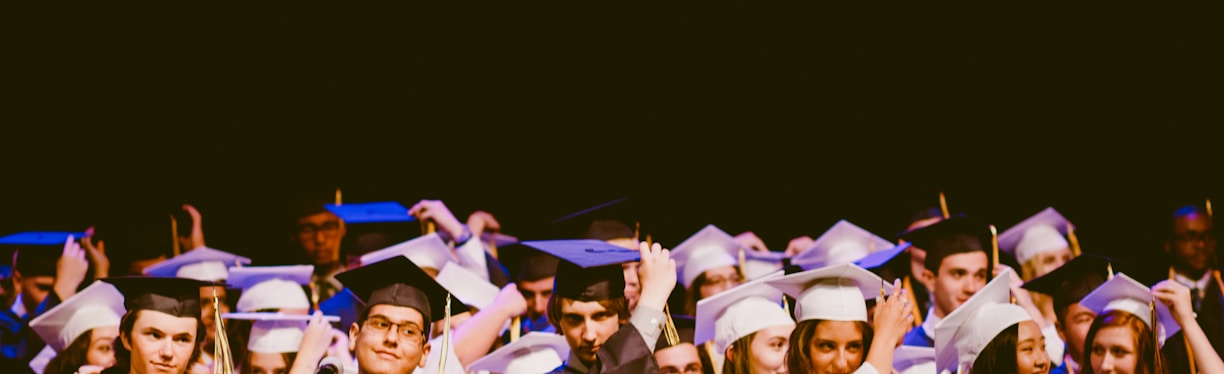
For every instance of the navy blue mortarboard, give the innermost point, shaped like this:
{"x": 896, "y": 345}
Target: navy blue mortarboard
{"x": 345, "y": 305}
{"x": 615, "y": 219}
{"x": 590, "y": 269}
{"x": 397, "y": 281}
{"x": 957, "y": 234}
{"x": 179, "y": 297}
{"x": 37, "y": 251}
{"x": 376, "y": 212}
{"x": 526, "y": 263}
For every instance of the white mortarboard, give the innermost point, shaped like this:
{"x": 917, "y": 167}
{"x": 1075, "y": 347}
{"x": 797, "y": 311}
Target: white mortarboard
{"x": 759, "y": 264}
{"x": 533, "y": 353}
{"x": 426, "y": 251}
{"x": 98, "y": 305}
{"x": 468, "y": 287}
{"x": 1126, "y": 294}
{"x": 912, "y": 359}
{"x": 740, "y": 311}
{"x": 1044, "y": 231}
{"x": 707, "y": 249}
{"x": 203, "y": 263}
{"x": 843, "y": 243}
{"x": 834, "y": 293}
{"x": 962, "y": 335}
{"x": 275, "y": 332}
{"x": 271, "y": 287}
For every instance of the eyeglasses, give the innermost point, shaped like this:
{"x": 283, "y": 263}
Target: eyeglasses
{"x": 729, "y": 281}
{"x": 329, "y": 229}
{"x": 407, "y": 330}
{"x": 693, "y": 368}
{"x": 1194, "y": 237}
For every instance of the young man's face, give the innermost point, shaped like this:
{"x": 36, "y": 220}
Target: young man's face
{"x": 319, "y": 236}
{"x": 586, "y": 325}
{"x": 1193, "y": 243}
{"x": 161, "y": 343}
{"x": 33, "y": 289}
{"x": 1073, "y": 329}
{"x": 391, "y": 341}
{"x": 536, "y": 293}
{"x": 960, "y": 276}
{"x": 680, "y": 358}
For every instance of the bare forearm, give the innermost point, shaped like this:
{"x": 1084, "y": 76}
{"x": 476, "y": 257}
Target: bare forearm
{"x": 474, "y": 337}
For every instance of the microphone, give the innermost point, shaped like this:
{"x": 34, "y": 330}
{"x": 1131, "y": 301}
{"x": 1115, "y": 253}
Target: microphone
{"x": 329, "y": 365}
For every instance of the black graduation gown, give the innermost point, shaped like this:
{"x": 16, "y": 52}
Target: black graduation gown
{"x": 1211, "y": 319}
{"x": 624, "y": 352}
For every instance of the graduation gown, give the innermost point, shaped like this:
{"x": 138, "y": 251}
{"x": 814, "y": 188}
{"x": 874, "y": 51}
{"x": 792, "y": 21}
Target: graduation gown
{"x": 17, "y": 340}
{"x": 623, "y": 352}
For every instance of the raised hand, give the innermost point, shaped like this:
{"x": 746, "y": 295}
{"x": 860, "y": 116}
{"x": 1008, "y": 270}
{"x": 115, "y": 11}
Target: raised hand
{"x": 657, "y": 274}
{"x": 436, "y": 211}
{"x": 96, "y": 255}
{"x": 893, "y": 315}
{"x": 751, "y": 241}
{"x": 70, "y": 269}
{"x": 798, "y": 245}
{"x": 1176, "y": 297}
{"x": 197, "y": 227}
{"x": 316, "y": 341}
{"x": 510, "y": 301}
{"x": 481, "y": 221}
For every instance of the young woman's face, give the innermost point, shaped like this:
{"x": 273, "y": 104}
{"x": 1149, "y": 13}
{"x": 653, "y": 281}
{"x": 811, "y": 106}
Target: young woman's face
{"x": 769, "y": 349}
{"x": 268, "y": 363}
{"x": 837, "y": 347}
{"x": 1113, "y": 351}
{"x": 101, "y": 346}
{"x": 719, "y": 279}
{"x": 1031, "y": 356}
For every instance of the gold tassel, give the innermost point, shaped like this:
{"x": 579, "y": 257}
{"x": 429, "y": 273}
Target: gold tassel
{"x": 994, "y": 247}
{"x": 446, "y": 324}
{"x": 223, "y": 361}
{"x": 743, "y": 264}
{"x": 516, "y": 327}
{"x": 337, "y": 195}
{"x": 1209, "y": 216}
{"x": 1109, "y": 270}
{"x": 1075, "y": 247}
{"x": 909, "y": 292}
{"x": 943, "y": 205}
{"x": 174, "y": 236}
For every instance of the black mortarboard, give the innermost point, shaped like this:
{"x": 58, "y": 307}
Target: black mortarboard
{"x": 686, "y": 328}
{"x": 889, "y": 264}
{"x": 397, "y": 281}
{"x": 615, "y": 219}
{"x": 957, "y": 234}
{"x": 527, "y": 264}
{"x": 1075, "y": 279}
{"x": 590, "y": 270}
{"x": 179, "y": 297}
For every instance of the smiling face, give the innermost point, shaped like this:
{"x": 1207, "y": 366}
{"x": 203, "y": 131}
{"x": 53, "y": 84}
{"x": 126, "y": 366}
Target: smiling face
{"x": 1031, "y": 356}
{"x": 161, "y": 343}
{"x": 960, "y": 276}
{"x": 390, "y": 341}
{"x": 837, "y": 347}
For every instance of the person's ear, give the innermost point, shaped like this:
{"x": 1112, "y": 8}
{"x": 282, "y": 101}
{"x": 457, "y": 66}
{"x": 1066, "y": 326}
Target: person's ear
{"x": 354, "y": 329}
{"x": 928, "y": 277}
{"x": 425, "y": 347}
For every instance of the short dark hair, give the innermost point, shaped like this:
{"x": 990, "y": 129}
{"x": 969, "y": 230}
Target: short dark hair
{"x": 1000, "y": 354}
{"x": 618, "y": 305}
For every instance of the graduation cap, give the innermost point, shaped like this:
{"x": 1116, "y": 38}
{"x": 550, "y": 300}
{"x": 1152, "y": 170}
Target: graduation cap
{"x": 426, "y": 251}
{"x": 271, "y": 287}
{"x": 98, "y": 305}
{"x": 739, "y": 312}
{"x": 399, "y": 282}
{"x": 467, "y": 286}
{"x": 914, "y": 359}
{"x": 1075, "y": 279}
{"x": 841, "y": 244}
{"x": 758, "y": 264}
{"x": 202, "y": 263}
{"x": 709, "y": 248}
{"x": 527, "y": 264}
{"x": 179, "y": 297}
{"x": 1126, "y": 294}
{"x": 37, "y": 251}
{"x": 957, "y": 234}
{"x": 962, "y": 335}
{"x": 615, "y": 219}
{"x": 534, "y": 352}
{"x": 345, "y": 305}
{"x": 275, "y": 332}
{"x": 376, "y": 212}
{"x": 835, "y": 293}
{"x": 889, "y": 264}
{"x": 590, "y": 270}
{"x": 1043, "y": 232}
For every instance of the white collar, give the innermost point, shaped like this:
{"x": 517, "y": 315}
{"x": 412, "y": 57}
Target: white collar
{"x": 18, "y": 307}
{"x": 1200, "y": 284}
{"x": 928, "y": 326}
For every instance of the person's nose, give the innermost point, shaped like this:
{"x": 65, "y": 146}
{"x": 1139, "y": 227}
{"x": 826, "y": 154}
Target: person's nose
{"x": 1107, "y": 364}
{"x": 588, "y": 331}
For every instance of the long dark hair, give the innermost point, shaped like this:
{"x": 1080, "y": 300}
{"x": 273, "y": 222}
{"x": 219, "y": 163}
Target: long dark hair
{"x": 73, "y": 356}
{"x": 799, "y": 352}
{"x": 1000, "y": 355}
{"x": 1145, "y": 342}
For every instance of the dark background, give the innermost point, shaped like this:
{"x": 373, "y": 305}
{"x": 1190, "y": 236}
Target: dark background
{"x": 772, "y": 118}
